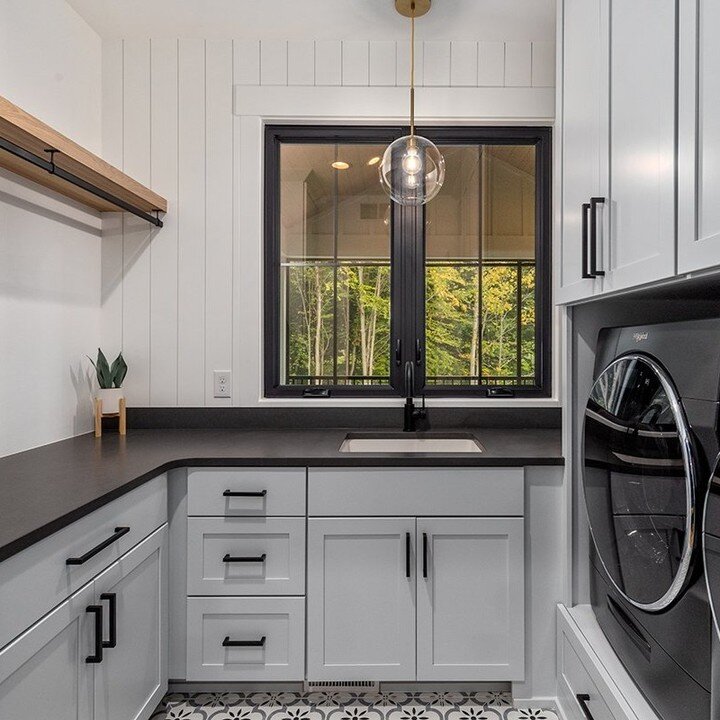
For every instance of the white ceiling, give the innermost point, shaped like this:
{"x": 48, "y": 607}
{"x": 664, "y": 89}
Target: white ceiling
{"x": 318, "y": 19}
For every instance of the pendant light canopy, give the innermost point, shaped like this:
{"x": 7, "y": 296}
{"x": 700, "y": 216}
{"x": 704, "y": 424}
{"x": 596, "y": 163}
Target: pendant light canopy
{"x": 412, "y": 169}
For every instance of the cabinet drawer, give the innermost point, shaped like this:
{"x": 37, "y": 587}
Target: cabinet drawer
{"x": 246, "y": 491}
{"x": 575, "y": 683}
{"x": 417, "y": 491}
{"x": 38, "y": 578}
{"x": 246, "y": 556}
{"x": 237, "y": 639}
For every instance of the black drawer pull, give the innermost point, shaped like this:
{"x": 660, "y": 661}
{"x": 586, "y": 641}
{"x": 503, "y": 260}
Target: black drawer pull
{"x": 425, "y": 549}
{"x": 119, "y": 532}
{"x": 244, "y": 559}
{"x": 97, "y": 656}
{"x": 585, "y": 264}
{"x": 240, "y": 493}
{"x": 112, "y": 619}
{"x": 227, "y": 642}
{"x": 583, "y": 699}
{"x": 594, "y": 202}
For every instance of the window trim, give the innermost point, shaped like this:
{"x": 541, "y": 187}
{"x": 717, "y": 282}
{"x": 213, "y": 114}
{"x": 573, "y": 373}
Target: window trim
{"x": 403, "y": 257}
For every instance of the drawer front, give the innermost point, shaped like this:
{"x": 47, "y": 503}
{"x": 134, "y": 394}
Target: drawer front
{"x": 246, "y": 556}
{"x": 421, "y": 491}
{"x": 246, "y": 491}
{"x": 219, "y": 630}
{"x": 38, "y": 578}
{"x": 575, "y": 682}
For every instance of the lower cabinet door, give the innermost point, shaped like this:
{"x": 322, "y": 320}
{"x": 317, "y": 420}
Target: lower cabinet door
{"x": 470, "y": 605}
{"x": 246, "y": 638}
{"x": 132, "y": 678}
{"x": 361, "y": 599}
{"x": 44, "y": 673}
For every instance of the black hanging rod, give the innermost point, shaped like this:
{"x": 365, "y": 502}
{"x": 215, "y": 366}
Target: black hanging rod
{"x": 53, "y": 169}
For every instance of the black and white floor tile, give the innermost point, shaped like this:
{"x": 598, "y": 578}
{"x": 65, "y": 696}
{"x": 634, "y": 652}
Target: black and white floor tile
{"x": 345, "y": 706}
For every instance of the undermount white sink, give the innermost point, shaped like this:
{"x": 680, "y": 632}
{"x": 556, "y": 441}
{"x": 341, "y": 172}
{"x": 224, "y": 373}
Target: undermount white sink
{"x": 411, "y": 443}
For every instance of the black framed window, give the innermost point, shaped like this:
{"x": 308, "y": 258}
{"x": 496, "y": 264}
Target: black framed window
{"x": 356, "y": 286}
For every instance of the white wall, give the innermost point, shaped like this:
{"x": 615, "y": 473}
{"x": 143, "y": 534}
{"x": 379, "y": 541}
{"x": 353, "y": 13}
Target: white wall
{"x": 49, "y": 247}
{"x": 186, "y": 117}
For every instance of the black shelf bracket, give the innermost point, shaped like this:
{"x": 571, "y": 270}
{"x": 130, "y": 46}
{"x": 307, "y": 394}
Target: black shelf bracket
{"x": 50, "y": 167}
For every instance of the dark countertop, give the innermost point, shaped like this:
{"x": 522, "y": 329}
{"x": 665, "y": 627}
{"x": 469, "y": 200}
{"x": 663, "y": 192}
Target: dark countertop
{"x": 44, "y": 489}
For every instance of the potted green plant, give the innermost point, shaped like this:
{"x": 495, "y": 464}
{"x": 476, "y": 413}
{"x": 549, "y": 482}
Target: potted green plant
{"x": 110, "y": 379}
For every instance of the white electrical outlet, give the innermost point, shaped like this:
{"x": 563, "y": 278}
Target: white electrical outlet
{"x": 223, "y": 384}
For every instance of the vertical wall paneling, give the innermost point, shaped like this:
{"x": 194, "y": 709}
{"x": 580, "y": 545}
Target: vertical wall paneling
{"x": 273, "y": 62}
{"x": 464, "y": 63}
{"x": 382, "y": 63}
{"x": 543, "y": 64}
{"x": 137, "y": 233}
{"x": 403, "y": 63}
{"x": 301, "y": 62}
{"x": 328, "y": 62}
{"x": 518, "y": 64}
{"x": 219, "y": 206}
{"x": 112, "y": 223}
{"x": 164, "y": 247}
{"x": 436, "y": 63}
{"x": 355, "y": 63}
{"x": 246, "y": 62}
{"x": 491, "y": 64}
{"x": 191, "y": 222}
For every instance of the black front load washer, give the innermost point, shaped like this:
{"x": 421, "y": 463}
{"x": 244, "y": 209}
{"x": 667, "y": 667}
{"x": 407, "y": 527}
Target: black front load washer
{"x": 650, "y": 435}
{"x": 711, "y": 553}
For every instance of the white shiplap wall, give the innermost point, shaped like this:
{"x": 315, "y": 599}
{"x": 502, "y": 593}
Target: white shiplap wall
{"x": 171, "y": 297}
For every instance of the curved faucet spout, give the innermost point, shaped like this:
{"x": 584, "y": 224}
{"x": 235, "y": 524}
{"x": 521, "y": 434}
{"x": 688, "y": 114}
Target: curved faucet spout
{"x": 409, "y": 379}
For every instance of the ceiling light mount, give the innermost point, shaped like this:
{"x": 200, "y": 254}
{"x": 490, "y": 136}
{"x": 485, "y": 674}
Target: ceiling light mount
{"x": 410, "y": 8}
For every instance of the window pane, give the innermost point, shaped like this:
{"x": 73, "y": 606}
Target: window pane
{"x": 480, "y": 268}
{"x": 335, "y": 266}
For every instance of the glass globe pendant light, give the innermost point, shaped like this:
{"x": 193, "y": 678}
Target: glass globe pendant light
{"x": 412, "y": 169}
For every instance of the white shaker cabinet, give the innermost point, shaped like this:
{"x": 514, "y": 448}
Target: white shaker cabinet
{"x": 132, "y": 678}
{"x": 470, "y": 599}
{"x": 618, "y": 145}
{"x": 44, "y": 673}
{"x": 699, "y": 136}
{"x": 361, "y": 599}
{"x": 583, "y": 101}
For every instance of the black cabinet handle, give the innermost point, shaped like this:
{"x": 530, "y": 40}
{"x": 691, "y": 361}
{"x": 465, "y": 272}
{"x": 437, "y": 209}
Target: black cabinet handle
{"x": 398, "y": 352}
{"x": 119, "y": 532}
{"x": 594, "y": 202}
{"x": 418, "y": 352}
{"x": 227, "y": 642}
{"x": 244, "y": 559}
{"x": 97, "y": 656}
{"x": 583, "y": 699}
{"x": 425, "y": 549}
{"x": 585, "y": 213}
{"x": 112, "y": 619}
{"x": 252, "y": 493}
{"x": 407, "y": 555}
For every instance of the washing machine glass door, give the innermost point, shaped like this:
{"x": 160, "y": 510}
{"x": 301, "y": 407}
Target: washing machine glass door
{"x": 711, "y": 543}
{"x": 639, "y": 481}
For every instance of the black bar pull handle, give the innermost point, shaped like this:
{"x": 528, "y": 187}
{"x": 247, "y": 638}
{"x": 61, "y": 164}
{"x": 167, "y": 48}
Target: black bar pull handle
{"x": 117, "y": 534}
{"x": 425, "y": 555}
{"x": 112, "y": 619}
{"x": 585, "y": 213}
{"x": 227, "y": 642}
{"x": 583, "y": 700}
{"x": 244, "y": 558}
{"x": 97, "y": 656}
{"x": 594, "y": 202}
{"x": 407, "y": 554}
{"x": 418, "y": 352}
{"x": 398, "y": 352}
{"x": 244, "y": 493}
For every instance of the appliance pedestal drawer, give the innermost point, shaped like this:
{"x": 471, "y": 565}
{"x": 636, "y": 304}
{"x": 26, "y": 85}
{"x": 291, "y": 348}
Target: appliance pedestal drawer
{"x": 591, "y": 680}
{"x": 237, "y": 639}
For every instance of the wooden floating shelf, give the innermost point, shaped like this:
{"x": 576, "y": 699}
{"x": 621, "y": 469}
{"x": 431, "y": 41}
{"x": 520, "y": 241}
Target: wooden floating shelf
{"x": 71, "y": 170}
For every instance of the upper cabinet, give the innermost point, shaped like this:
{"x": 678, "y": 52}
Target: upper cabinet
{"x": 618, "y": 101}
{"x": 699, "y": 136}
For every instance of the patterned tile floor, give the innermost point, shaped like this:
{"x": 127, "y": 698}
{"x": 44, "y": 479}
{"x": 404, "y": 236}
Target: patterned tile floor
{"x": 345, "y": 706}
